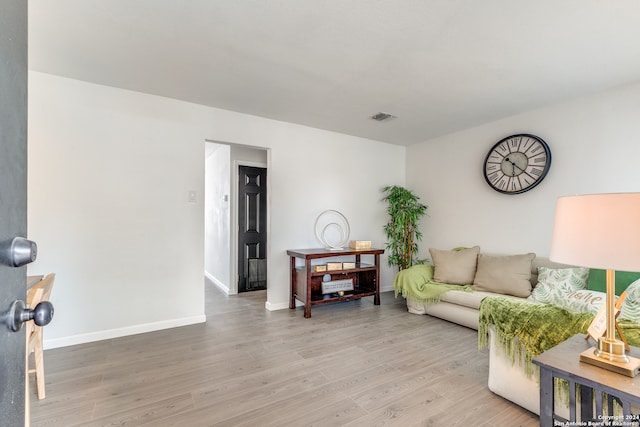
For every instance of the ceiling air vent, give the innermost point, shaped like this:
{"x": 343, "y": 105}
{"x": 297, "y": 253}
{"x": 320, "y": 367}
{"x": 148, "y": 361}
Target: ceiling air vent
{"x": 380, "y": 117}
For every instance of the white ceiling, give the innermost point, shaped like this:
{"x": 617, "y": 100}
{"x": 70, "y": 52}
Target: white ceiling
{"x": 438, "y": 65}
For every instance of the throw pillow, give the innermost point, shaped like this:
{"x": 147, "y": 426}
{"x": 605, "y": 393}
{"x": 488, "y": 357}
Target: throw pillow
{"x": 507, "y": 274}
{"x": 555, "y": 283}
{"x": 631, "y": 305}
{"x": 583, "y": 301}
{"x": 455, "y": 267}
{"x": 598, "y": 281}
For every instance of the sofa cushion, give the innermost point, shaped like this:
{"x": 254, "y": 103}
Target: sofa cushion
{"x": 507, "y": 274}
{"x": 554, "y": 284}
{"x": 455, "y": 267}
{"x": 469, "y": 299}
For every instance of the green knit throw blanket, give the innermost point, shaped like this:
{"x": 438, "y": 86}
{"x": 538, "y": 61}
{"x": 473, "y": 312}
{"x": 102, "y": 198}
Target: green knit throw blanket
{"x": 416, "y": 284}
{"x": 525, "y": 329}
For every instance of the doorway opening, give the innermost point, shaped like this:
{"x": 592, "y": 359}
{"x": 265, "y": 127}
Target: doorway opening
{"x": 236, "y": 217}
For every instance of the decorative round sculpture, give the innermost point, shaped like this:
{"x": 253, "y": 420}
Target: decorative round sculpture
{"x": 332, "y": 229}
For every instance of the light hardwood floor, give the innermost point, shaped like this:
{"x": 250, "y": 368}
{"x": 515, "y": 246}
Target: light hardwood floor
{"x": 351, "y": 364}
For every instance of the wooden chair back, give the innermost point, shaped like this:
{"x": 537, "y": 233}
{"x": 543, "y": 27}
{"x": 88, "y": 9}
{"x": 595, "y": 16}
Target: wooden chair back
{"x": 39, "y": 292}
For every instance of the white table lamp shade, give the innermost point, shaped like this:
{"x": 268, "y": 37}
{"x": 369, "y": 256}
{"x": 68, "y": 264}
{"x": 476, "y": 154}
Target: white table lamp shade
{"x": 598, "y": 231}
{"x": 601, "y": 231}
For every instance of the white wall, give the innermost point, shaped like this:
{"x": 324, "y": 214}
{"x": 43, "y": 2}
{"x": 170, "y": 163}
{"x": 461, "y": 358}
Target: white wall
{"x": 595, "y": 148}
{"x": 109, "y": 174}
{"x": 241, "y": 153}
{"x": 217, "y": 237}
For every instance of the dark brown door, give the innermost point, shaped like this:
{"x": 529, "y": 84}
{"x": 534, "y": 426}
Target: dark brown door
{"x": 13, "y": 201}
{"x": 252, "y": 231}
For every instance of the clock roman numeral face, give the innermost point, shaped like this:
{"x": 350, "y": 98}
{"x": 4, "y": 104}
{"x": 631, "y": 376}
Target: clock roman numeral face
{"x": 517, "y": 163}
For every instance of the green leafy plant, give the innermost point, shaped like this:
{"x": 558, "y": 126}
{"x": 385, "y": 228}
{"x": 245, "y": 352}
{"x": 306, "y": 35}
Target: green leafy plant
{"x": 405, "y": 210}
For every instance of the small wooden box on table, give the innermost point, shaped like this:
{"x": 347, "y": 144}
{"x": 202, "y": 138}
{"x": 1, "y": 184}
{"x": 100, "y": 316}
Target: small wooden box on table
{"x": 306, "y": 284}
{"x": 563, "y": 361}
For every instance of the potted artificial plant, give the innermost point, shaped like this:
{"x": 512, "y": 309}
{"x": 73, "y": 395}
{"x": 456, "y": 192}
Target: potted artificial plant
{"x": 405, "y": 210}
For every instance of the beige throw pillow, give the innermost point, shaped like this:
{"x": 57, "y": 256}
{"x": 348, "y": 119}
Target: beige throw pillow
{"x": 455, "y": 267}
{"x": 507, "y": 274}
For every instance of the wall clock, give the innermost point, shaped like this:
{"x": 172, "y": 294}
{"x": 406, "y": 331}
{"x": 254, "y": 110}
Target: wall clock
{"x": 517, "y": 163}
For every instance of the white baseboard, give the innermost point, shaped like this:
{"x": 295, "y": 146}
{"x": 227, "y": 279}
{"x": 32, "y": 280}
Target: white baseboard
{"x": 282, "y": 305}
{"x": 122, "y": 332}
{"x": 224, "y": 288}
{"x": 278, "y": 306}
{"x": 387, "y": 288}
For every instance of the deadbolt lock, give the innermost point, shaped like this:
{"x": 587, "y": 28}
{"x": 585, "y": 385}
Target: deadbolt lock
{"x": 18, "y": 252}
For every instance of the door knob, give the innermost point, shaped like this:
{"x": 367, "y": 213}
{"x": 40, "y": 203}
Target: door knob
{"x": 18, "y": 314}
{"x": 18, "y": 252}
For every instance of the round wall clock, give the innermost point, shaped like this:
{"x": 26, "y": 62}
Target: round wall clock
{"x": 517, "y": 163}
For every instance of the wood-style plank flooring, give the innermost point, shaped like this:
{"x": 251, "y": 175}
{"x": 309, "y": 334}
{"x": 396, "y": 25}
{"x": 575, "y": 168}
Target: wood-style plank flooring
{"x": 351, "y": 364}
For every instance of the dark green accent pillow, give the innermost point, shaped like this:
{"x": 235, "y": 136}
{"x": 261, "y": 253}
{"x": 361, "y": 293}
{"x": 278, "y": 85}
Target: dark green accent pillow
{"x": 598, "y": 280}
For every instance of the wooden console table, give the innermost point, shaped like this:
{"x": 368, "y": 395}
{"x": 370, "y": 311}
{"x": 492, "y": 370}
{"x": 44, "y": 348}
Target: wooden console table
{"x": 563, "y": 361}
{"x": 306, "y": 284}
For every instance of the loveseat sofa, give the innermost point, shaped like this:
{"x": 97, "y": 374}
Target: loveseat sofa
{"x": 454, "y": 286}
{"x": 474, "y": 276}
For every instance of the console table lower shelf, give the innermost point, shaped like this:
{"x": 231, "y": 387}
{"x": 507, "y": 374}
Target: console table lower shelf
{"x": 307, "y": 287}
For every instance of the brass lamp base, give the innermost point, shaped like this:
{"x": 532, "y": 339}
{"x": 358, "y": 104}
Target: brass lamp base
{"x": 610, "y": 355}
